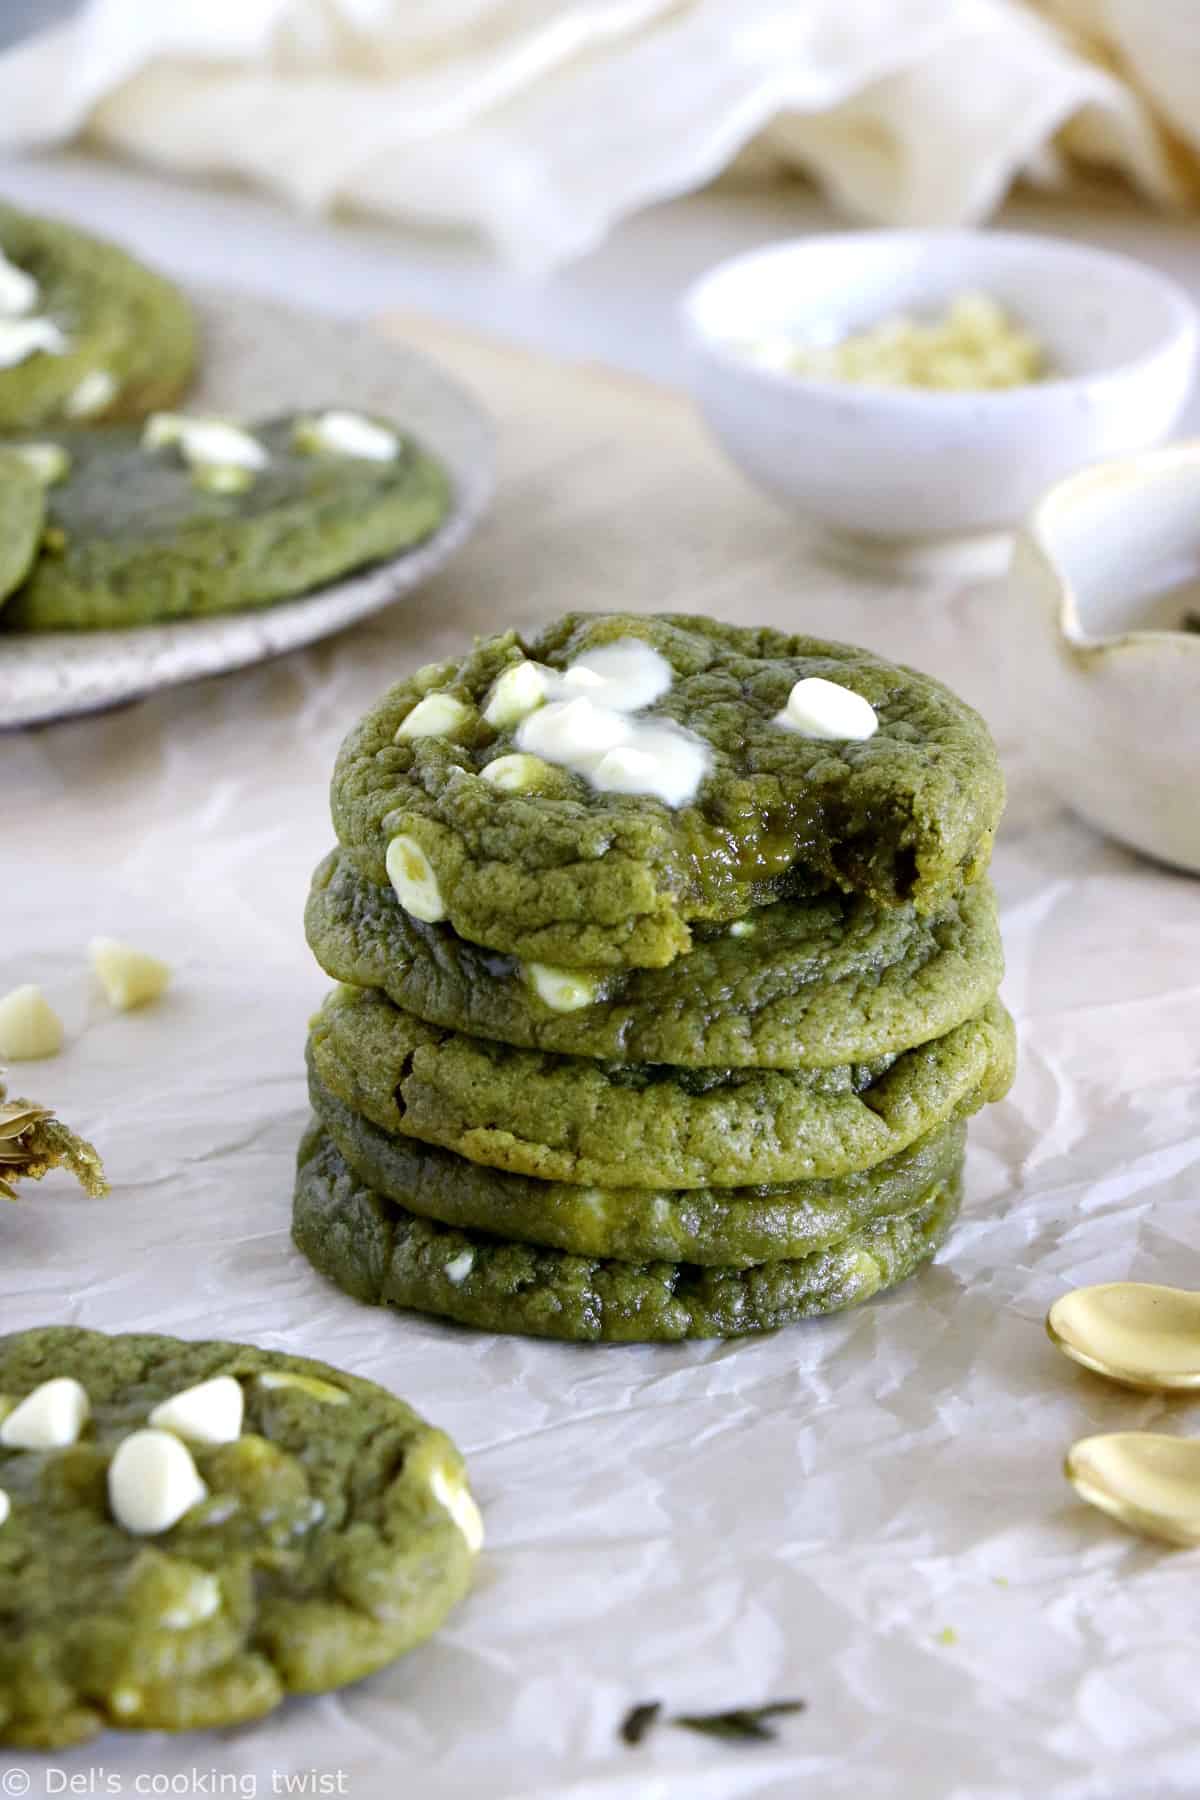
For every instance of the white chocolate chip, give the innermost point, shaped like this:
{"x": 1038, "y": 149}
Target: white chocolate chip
{"x": 626, "y": 770}
{"x": 199, "y": 1600}
{"x": 817, "y": 708}
{"x": 95, "y": 392}
{"x": 661, "y": 759}
{"x": 568, "y": 731}
{"x": 18, "y": 290}
{"x": 346, "y": 434}
{"x": 412, "y": 876}
{"x": 208, "y": 443}
{"x": 452, "y": 1492}
{"x": 209, "y": 1413}
{"x": 5, "y": 1506}
{"x": 49, "y": 462}
{"x": 312, "y": 1385}
{"x": 152, "y": 1482}
{"x": 129, "y": 977}
{"x": 631, "y": 673}
{"x": 974, "y": 344}
{"x": 577, "y": 680}
{"x": 774, "y": 351}
{"x": 562, "y": 990}
{"x": 48, "y": 1419}
{"x": 221, "y": 478}
{"x": 178, "y": 1595}
{"x": 437, "y": 715}
{"x": 513, "y": 773}
{"x": 22, "y": 338}
{"x": 460, "y": 1267}
{"x": 519, "y": 691}
{"x": 595, "y": 734}
{"x": 29, "y": 1026}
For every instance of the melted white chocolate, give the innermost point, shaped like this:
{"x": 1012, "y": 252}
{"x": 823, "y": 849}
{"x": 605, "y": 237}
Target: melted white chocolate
{"x": 594, "y": 728}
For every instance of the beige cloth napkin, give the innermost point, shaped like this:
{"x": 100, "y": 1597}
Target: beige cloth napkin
{"x": 542, "y": 123}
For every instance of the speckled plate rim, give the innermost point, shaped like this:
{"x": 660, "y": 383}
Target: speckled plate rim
{"x": 260, "y": 357}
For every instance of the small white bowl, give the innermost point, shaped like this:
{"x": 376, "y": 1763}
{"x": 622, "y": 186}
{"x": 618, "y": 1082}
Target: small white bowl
{"x": 906, "y": 465}
{"x": 1103, "y": 680}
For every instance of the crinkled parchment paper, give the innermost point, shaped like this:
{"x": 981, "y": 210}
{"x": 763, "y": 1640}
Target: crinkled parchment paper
{"x": 866, "y": 1511}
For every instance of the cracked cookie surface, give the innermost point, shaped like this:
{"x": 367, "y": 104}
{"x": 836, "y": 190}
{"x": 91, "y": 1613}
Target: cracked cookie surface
{"x": 721, "y": 1226}
{"x": 569, "y": 1119}
{"x": 326, "y": 1547}
{"x": 22, "y": 510}
{"x": 141, "y": 541}
{"x": 123, "y": 324}
{"x": 567, "y": 875}
{"x": 804, "y": 983}
{"x": 380, "y": 1253}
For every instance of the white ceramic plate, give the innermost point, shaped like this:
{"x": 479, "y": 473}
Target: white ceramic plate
{"x": 260, "y": 358}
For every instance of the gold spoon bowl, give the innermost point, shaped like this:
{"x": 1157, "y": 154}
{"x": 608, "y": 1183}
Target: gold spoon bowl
{"x": 1146, "y": 1480}
{"x": 1133, "y": 1332}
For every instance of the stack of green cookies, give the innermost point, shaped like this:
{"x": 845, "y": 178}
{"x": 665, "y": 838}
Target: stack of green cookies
{"x": 668, "y": 971}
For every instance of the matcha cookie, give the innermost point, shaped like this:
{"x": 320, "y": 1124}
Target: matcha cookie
{"x": 148, "y": 533}
{"x": 22, "y": 510}
{"x": 378, "y": 1252}
{"x": 811, "y": 983}
{"x": 600, "y": 1124}
{"x": 725, "y": 1226}
{"x": 579, "y": 800}
{"x": 191, "y": 1531}
{"x": 85, "y": 331}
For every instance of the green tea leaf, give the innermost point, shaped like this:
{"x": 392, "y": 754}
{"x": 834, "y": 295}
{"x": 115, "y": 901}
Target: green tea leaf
{"x": 639, "y": 1719}
{"x": 741, "y": 1724}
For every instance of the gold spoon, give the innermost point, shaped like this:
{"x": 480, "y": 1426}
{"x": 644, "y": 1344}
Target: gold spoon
{"x": 1133, "y": 1332}
{"x": 1149, "y": 1481}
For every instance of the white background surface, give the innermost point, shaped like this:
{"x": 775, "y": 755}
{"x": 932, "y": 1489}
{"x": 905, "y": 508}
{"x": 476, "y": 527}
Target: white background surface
{"x": 710, "y": 1524}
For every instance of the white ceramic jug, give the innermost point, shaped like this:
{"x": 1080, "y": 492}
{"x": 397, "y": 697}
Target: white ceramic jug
{"x": 1105, "y": 676}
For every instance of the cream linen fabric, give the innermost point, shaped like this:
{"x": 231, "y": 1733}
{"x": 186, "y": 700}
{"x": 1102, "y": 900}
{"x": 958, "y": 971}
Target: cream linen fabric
{"x": 541, "y": 123}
